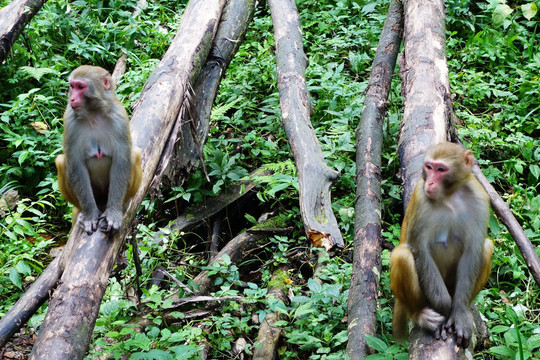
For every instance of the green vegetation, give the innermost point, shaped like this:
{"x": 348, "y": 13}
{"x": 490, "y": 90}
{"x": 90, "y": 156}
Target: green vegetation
{"x": 493, "y": 54}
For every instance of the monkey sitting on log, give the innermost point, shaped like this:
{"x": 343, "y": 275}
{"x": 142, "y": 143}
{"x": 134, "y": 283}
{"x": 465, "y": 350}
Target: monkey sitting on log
{"x": 100, "y": 171}
{"x": 443, "y": 258}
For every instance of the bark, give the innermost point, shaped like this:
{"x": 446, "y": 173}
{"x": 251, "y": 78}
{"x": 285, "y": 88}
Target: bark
{"x": 194, "y": 122}
{"x": 269, "y": 333}
{"x": 67, "y": 329}
{"x": 425, "y": 88}
{"x": 362, "y": 305}
{"x": 315, "y": 178}
{"x": 426, "y": 121}
{"x": 15, "y": 17}
{"x": 514, "y": 228}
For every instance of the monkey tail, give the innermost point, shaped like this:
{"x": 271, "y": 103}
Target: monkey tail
{"x": 399, "y": 322}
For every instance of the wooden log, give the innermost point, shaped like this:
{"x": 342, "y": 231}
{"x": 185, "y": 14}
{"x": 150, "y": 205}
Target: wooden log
{"x": 192, "y": 217}
{"x": 426, "y": 121}
{"x": 362, "y": 304}
{"x": 425, "y": 88}
{"x": 269, "y": 333}
{"x": 67, "y": 329}
{"x": 15, "y": 17}
{"x": 194, "y": 122}
{"x": 30, "y": 301}
{"x": 315, "y": 178}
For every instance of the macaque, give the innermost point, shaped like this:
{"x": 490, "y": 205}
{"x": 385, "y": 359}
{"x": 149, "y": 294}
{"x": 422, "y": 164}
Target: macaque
{"x": 100, "y": 171}
{"x": 443, "y": 258}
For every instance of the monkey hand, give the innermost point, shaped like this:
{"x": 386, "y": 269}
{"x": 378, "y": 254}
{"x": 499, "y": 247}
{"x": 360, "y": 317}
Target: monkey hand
{"x": 461, "y": 322}
{"x": 88, "y": 221}
{"x": 111, "y": 220}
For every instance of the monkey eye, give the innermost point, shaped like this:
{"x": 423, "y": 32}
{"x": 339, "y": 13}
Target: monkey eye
{"x": 441, "y": 169}
{"x": 77, "y": 85}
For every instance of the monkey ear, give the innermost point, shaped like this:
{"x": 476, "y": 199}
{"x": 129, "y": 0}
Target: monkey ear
{"x": 107, "y": 82}
{"x": 469, "y": 159}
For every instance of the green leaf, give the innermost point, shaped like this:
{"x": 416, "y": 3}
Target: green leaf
{"x": 23, "y": 268}
{"x": 152, "y": 355}
{"x": 15, "y": 277}
{"x": 535, "y": 170}
{"x": 500, "y": 13}
{"x": 314, "y": 286}
{"x": 504, "y": 351}
{"x": 376, "y": 343}
{"x": 184, "y": 352}
{"x": 529, "y": 10}
{"x": 36, "y": 73}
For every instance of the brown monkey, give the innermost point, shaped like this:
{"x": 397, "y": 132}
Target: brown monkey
{"x": 443, "y": 258}
{"x": 99, "y": 171}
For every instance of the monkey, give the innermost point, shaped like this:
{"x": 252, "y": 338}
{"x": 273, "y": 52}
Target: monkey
{"x": 100, "y": 170}
{"x": 443, "y": 258}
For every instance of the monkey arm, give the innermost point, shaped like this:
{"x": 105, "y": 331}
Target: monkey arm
{"x": 119, "y": 176}
{"x": 431, "y": 281}
{"x": 78, "y": 180}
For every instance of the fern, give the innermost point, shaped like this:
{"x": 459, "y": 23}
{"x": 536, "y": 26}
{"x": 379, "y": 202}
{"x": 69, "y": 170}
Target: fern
{"x": 36, "y": 73}
{"x": 220, "y": 111}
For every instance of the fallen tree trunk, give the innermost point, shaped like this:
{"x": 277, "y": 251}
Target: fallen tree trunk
{"x": 426, "y": 121}
{"x": 196, "y": 215}
{"x": 315, "y": 178}
{"x": 67, "y": 328}
{"x": 14, "y": 17}
{"x": 195, "y": 120}
{"x": 30, "y": 301}
{"x": 269, "y": 333}
{"x": 425, "y": 88}
{"x": 237, "y": 249}
{"x": 362, "y": 304}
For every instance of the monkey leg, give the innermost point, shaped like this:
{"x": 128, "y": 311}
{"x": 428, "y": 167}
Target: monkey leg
{"x": 404, "y": 280}
{"x": 486, "y": 268}
{"x": 135, "y": 177}
{"x": 410, "y": 298}
{"x": 65, "y": 188}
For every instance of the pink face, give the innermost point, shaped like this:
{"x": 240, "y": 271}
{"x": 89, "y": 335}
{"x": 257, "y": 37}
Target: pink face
{"x": 77, "y": 89}
{"x": 435, "y": 172}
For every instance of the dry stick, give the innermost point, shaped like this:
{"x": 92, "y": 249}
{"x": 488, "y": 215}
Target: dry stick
{"x": 67, "y": 329}
{"x": 315, "y": 178}
{"x": 15, "y": 17}
{"x": 503, "y": 212}
{"x": 362, "y": 305}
